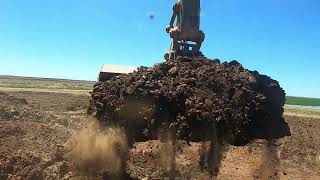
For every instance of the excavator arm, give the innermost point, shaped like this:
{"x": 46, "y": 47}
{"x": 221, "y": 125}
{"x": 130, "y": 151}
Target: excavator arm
{"x": 186, "y": 14}
{"x": 175, "y": 15}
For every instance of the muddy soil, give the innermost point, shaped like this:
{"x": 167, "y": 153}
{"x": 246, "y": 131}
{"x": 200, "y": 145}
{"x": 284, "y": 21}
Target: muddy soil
{"x": 192, "y": 96}
{"x": 35, "y": 127}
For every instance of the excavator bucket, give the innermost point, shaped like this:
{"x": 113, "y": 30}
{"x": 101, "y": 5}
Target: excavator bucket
{"x": 108, "y": 71}
{"x": 190, "y": 15}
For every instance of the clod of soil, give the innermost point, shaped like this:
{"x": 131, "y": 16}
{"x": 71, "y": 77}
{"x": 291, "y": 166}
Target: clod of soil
{"x": 191, "y": 96}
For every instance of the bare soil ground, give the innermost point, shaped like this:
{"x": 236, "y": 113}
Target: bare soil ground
{"x": 34, "y": 127}
{"x": 44, "y": 83}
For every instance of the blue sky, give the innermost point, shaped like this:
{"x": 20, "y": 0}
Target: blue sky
{"x": 73, "y": 38}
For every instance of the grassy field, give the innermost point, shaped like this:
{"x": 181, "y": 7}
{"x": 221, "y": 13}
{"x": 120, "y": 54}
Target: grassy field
{"x": 44, "y": 83}
{"x": 302, "y": 101}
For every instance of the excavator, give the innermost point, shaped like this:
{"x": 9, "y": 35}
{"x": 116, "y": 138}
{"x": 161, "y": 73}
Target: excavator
{"x": 186, "y": 37}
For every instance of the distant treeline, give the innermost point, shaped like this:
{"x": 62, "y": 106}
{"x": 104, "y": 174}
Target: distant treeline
{"x": 302, "y": 101}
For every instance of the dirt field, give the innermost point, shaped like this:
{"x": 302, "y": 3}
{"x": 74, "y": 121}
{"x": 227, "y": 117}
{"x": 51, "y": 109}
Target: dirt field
{"x": 35, "y": 125}
{"x": 44, "y": 83}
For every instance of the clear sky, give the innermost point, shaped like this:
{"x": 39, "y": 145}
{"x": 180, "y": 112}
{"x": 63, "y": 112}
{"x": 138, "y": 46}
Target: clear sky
{"x": 73, "y": 38}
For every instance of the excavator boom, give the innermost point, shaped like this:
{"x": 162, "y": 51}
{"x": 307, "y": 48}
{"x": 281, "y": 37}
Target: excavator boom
{"x": 186, "y": 36}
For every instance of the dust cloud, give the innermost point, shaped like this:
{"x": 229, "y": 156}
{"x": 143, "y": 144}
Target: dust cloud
{"x": 270, "y": 165}
{"x": 95, "y": 149}
{"x": 167, "y": 156}
{"x": 168, "y": 152}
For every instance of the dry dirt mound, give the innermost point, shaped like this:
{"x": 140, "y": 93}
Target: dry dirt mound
{"x": 190, "y": 96}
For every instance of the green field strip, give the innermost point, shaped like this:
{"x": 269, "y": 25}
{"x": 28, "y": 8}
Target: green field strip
{"x": 302, "y": 101}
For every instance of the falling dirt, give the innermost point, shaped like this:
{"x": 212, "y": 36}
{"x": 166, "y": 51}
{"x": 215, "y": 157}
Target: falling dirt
{"x": 270, "y": 163}
{"x": 97, "y": 150}
{"x": 168, "y": 150}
